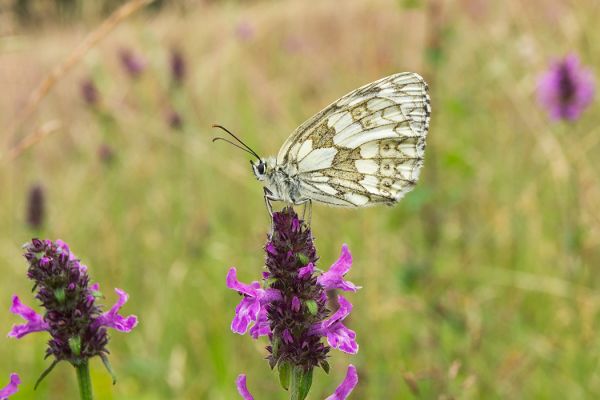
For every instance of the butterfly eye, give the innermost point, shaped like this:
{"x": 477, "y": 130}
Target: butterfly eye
{"x": 261, "y": 168}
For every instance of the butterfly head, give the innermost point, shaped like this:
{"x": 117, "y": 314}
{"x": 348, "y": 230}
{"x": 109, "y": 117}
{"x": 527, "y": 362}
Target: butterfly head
{"x": 259, "y": 167}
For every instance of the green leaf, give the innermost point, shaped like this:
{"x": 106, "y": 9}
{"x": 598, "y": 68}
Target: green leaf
{"x": 301, "y": 383}
{"x": 45, "y": 374}
{"x": 312, "y": 306}
{"x": 285, "y": 373}
{"x": 109, "y": 368}
{"x": 75, "y": 345}
{"x": 59, "y": 295}
{"x": 325, "y": 366}
{"x": 275, "y": 343}
{"x": 302, "y": 258}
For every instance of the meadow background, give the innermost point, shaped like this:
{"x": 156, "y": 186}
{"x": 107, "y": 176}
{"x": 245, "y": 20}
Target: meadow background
{"x": 482, "y": 283}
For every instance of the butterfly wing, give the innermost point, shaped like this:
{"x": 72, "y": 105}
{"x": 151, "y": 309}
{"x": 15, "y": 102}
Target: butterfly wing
{"x": 366, "y": 148}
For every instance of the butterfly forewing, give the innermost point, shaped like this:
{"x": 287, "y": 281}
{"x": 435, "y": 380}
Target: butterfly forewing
{"x": 366, "y": 148}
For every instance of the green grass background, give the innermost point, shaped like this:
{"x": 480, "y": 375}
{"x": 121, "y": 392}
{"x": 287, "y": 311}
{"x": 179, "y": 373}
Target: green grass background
{"x": 482, "y": 283}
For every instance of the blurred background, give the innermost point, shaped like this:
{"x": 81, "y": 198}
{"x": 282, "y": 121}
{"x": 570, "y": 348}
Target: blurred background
{"x": 482, "y": 283}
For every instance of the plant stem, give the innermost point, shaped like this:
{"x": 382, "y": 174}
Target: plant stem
{"x": 83, "y": 378}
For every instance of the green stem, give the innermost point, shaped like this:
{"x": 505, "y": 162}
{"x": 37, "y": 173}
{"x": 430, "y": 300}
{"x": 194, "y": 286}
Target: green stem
{"x": 84, "y": 380}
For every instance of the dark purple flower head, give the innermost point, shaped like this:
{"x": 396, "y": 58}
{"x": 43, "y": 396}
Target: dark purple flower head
{"x": 566, "y": 89}
{"x": 89, "y": 92}
{"x": 11, "y": 388}
{"x": 36, "y": 206}
{"x": 133, "y": 64}
{"x": 77, "y": 325}
{"x": 178, "y": 67}
{"x": 174, "y": 119}
{"x": 290, "y": 307}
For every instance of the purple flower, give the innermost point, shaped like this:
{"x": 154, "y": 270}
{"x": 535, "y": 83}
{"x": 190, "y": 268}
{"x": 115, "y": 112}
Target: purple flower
{"x": 244, "y": 31}
{"x": 293, "y": 44}
{"x": 36, "y": 206}
{"x": 35, "y": 322}
{"x": 178, "y": 68}
{"x": 338, "y": 336}
{"x": 261, "y": 327}
{"x": 566, "y": 89}
{"x": 11, "y": 388}
{"x": 105, "y": 153}
{"x": 290, "y": 307}
{"x": 174, "y": 119}
{"x": 89, "y": 92}
{"x": 132, "y": 63}
{"x": 347, "y": 385}
{"x": 76, "y": 324}
{"x": 334, "y": 278}
{"x": 242, "y": 388}
{"x": 252, "y": 304}
{"x": 306, "y": 272}
{"x": 341, "y": 392}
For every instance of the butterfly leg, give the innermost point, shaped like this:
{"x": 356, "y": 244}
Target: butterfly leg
{"x": 307, "y": 206}
{"x": 268, "y": 198}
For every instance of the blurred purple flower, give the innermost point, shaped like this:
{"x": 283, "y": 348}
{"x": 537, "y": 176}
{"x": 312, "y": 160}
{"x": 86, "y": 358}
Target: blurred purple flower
{"x": 76, "y": 324}
{"x": 566, "y": 89}
{"x": 178, "y": 67}
{"x": 174, "y": 119}
{"x": 36, "y": 206}
{"x": 105, "y": 153}
{"x": 293, "y": 44}
{"x": 133, "y": 64}
{"x": 89, "y": 92}
{"x": 244, "y": 31}
{"x": 341, "y": 392}
{"x": 11, "y": 388}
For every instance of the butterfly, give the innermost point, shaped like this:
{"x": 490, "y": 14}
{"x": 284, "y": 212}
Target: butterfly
{"x": 364, "y": 149}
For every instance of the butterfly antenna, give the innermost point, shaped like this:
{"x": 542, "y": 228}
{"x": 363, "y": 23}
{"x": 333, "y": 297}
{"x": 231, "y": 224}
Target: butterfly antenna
{"x": 234, "y": 144}
{"x": 246, "y": 147}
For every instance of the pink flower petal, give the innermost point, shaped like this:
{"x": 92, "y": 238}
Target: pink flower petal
{"x": 112, "y": 319}
{"x": 11, "y": 388}
{"x": 35, "y": 322}
{"x": 347, "y": 386}
{"x": 240, "y": 382}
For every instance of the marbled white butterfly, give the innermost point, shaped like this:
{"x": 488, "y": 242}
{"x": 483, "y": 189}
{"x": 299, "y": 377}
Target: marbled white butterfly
{"x": 364, "y": 149}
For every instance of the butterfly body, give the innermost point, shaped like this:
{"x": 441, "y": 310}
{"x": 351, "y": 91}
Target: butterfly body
{"x": 281, "y": 182}
{"x": 366, "y": 148}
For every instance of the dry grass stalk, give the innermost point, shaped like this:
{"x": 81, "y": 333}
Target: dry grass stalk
{"x": 93, "y": 38}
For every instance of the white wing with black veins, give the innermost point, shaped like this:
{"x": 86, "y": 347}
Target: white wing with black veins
{"x": 366, "y": 148}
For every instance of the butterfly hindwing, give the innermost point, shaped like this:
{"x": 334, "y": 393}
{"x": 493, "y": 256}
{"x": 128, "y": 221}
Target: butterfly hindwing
{"x": 366, "y": 148}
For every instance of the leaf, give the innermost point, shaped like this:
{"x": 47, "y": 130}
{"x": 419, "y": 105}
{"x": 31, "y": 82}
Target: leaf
{"x": 45, "y": 373}
{"x": 285, "y": 373}
{"x": 108, "y": 367}
{"x": 312, "y": 306}
{"x": 301, "y": 383}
